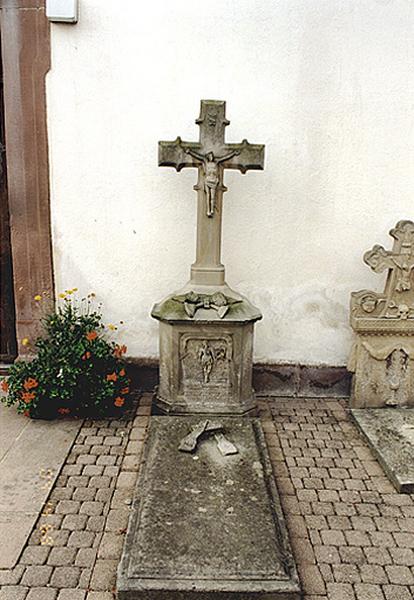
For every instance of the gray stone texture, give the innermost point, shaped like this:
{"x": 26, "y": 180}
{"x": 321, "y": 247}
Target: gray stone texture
{"x": 390, "y": 433}
{"x": 206, "y": 522}
{"x": 383, "y": 352}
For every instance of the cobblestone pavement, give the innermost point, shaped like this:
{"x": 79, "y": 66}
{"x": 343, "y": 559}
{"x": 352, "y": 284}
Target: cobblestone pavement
{"x": 351, "y": 533}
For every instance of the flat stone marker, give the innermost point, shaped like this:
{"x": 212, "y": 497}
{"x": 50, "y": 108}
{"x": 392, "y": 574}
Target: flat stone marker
{"x": 206, "y": 525}
{"x": 390, "y": 434}
{"x": 31, "y": 456}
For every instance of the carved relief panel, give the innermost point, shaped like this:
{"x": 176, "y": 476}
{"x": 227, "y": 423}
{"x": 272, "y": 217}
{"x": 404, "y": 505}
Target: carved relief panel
{"x": 206, "y": 362}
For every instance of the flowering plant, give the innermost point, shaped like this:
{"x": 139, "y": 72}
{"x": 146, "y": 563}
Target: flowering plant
{"x": 77, "y": 371}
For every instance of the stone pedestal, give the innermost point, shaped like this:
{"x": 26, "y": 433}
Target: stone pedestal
{"x": 383, "y": 367}
{"x": 206, "y": 346}
{"x": 206, "y": 526}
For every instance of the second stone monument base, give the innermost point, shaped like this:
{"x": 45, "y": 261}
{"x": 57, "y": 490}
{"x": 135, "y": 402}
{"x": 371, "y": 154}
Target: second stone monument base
{"x": 206, "y": 526}
{"x": 206, "y": 352}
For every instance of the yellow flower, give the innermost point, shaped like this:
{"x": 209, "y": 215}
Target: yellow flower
{"x": 74, "y": 289}
{"x": 62, "y": 295}
{"x": 69, "y": 292}
{"x": 38, "y": 297}
{"x": 25, "y": 341}
{"x": 112, "y": 327}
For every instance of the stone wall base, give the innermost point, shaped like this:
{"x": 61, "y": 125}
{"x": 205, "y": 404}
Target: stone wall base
{"x": 268, "y": 379}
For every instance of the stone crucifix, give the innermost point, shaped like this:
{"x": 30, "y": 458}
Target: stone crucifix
{"x": 210, "y": 155}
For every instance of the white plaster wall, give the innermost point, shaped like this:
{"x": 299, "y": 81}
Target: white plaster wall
{"x": 327, "y": 85}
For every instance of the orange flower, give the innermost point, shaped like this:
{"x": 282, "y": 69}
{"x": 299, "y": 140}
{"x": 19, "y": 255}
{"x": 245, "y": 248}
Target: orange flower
{"x": 119, "y": 401}
{"x": 27, "y": 397}
{"x": 86, "y": 355}
{"x": 122, "y": 372}
{"x": 63, "y": 411}
{"x": 112, "y": 377}
{"x": 30, "y": 383}
{"x": 91, "y": 335}
{"x": 4, "y": 385}
{"x": 119, "y": 350}
{"x": 125, "y": 390}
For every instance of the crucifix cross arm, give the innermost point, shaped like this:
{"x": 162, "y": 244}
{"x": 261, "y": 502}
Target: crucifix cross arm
{"x": 211, "y": 155}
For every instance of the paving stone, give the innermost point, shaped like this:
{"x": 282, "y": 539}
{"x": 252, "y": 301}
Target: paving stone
{"x": 104, "y": 494}
{"x": 61, "y": 493}
{"x": 352, "y": 554}
{"x": 366, "y": 591}
{"x": 373, "y": 574}
{"x": 104, "y": 575}
{"x": 59, "y": 537}
{"x": 95, "y": 524}
{"x": 92, "y": 470}
{"x": 74, "y": 522}
{"x": 59, "y": 557}
{"x": 126, "y": 480}
{"x": 110, "y": 546}
{"x": 85, "y": 557}
{"x": 333, "y": 538}
{"x": 404, "y": 540}
{"x": 100, "y": 481}
{"x": 112, "y": 440}
{"x": 34, "y": 555}
{"x": 41, "y": 593}
{"x": 84, "y": 494}
{"x": 86, "y": 459}
{"x": 402, "y": 556}
{"x": 78, "y": 481}
{"x": 91, "y": 508}
{"x": 65, "y": 577}
{"x": 340, "y": 591}
{"x": 380, "y": 556}
{"x": 346, "y": 573}
{"x": 302, "y": 550}
{"x": 106, "y": 460}
{"x": 399, "y": 574}
{"x": 84, "y": 579}
{"x": 68, "y": 507}
{"x": 11, "y": 592}
{"x": 100, "y": 596}
{"x": 397, "y": 592}
{"x": 36, "y": 576}
{"x": 100, "y": 450}
{"x": 72, "y": 469}
{"x": 311, "y": 579}
{"x": 327, "y": 554}
{"x": 72, "y": 594}
{"x": 11, "y": 576}
{"x": 111, "y": 471}
{"x": 81, "y": 539}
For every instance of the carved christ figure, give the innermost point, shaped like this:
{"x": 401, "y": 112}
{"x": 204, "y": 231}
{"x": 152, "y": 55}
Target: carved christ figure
{"x": 206, "y": 360}
{"x": 211, "y": 174}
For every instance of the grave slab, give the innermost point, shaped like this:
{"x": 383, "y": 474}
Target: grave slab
{"x": 31, "y": 456}
{"x": 390, "y": 434}
{"x": 204, "y": 525}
